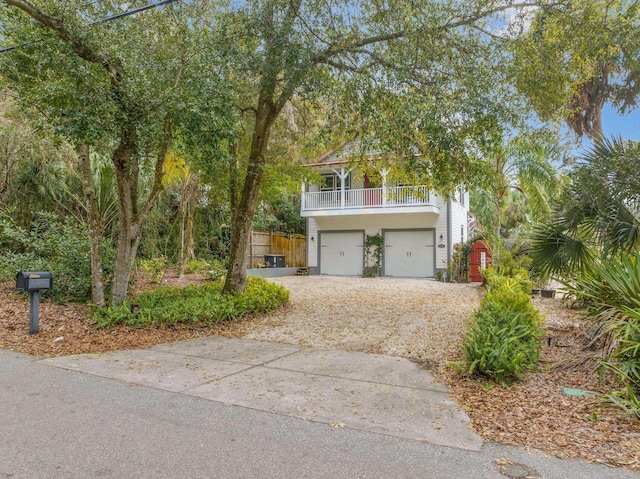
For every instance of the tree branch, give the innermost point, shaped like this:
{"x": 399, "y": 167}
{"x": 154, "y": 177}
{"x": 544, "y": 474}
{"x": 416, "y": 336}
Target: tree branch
{"x": 336, "y": 49}
{"x": 112, "y": 65}
{"x": 157, "y": 187}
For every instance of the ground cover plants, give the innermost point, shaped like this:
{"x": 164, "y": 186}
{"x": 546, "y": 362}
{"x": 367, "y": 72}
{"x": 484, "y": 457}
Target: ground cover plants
{"x": 194, "y": 304}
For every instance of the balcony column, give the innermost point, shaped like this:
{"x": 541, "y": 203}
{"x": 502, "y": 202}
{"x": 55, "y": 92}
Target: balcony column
{"x": 384, "y": 173}
{"x": 343, "y": 176}
{"x": 302, "y": 198}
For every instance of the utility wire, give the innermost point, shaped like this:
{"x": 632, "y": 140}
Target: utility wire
{"x": 104, "y": 20}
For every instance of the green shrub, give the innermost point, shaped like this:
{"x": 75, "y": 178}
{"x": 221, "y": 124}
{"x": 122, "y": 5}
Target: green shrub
{"x": 194, "y": 305}
{"x": 611, "y": 295}
{"x": 154, "y": 267}
{"x": 61, "y": 247}
{"x": 518, "y": 279}
{"x": 217, "y": 270}
{"x": 196, "y": 266}
{"x": 503, "y": 341}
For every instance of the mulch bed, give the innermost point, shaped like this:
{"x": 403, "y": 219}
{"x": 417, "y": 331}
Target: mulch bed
{"x": 533, "y": 414}
{"x": 537, "y": 414}
{"x": 66, "y": 328}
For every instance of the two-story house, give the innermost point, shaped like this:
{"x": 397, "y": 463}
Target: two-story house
{"x": 419, "y": 228}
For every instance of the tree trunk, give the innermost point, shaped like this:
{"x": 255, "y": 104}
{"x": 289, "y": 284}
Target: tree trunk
{"x": 191, "y": 212}
{"x": 233, "y": 179}
{"x": 128, "y": 239}
{"x": 131, "y": 219}
{"x": 184, "y": 200}
{"x": 246, "y": 208}
{"x": 95, "y": 224}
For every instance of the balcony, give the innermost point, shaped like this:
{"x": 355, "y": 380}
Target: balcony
{"x": 396, "y": 199}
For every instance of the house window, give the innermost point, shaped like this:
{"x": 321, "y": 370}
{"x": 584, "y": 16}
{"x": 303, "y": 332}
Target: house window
{"x": 461, "y": 233}
{"x": 461, "y": 195}
{"x": 332, "y": 182}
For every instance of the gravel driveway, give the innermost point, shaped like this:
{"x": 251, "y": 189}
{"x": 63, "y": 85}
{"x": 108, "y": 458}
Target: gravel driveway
{"x": 413, "y": 318}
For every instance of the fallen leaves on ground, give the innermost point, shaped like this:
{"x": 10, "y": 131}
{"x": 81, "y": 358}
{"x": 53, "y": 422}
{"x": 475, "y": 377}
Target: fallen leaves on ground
{"x": 536, "y": 413}
{"x": 421, "y": 320}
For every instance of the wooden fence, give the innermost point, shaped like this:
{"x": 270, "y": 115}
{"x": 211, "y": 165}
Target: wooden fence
{"x": 292, "y": 246}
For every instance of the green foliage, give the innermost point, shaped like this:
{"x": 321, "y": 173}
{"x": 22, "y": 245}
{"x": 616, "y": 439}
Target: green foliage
{"x": 217, "y": 270}
{"x": 373, "y": 247}
{"x": 194, "y": 305}
{"x": 611, "y": 295}
{"x": 281, "y": 213}
{"x": 61, "y": 247}
{"x": 503, "y": 341}
{"x": 196, "y": 266}
{"x": 596, "y": 214}
{"x": 578, "y": 56}
{"x": 519, "y": 280}
{"x": 458, "y": 270}
{"x": 154, "y": 267}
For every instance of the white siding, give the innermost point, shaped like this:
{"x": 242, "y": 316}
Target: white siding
{"x": 312, "y": 246}
{"x": 441, "y": 229}
{"x": 374, "y": 224}
{"x": 459, "y": 219}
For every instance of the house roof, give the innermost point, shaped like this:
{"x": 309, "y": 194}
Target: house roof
{"x": 345, "y": 153}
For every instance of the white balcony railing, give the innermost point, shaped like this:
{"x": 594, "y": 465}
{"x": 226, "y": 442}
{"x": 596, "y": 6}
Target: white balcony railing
{"x": 367, "y": 198}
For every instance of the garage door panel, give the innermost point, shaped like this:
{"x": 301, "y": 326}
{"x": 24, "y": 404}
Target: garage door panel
{"x": 409, "y": 253}
{"x": 341, "y": 253}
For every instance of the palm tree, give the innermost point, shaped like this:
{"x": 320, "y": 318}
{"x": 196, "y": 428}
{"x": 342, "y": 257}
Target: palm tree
{"x": 177, "y": 171}
{"x": 523, "y": 180}
{"x": 597, "y": 214}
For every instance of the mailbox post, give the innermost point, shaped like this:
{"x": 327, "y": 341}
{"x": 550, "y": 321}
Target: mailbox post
{"x": 34, "y": 282}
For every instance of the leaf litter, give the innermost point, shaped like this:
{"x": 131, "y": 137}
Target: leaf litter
{"x": 421, "y": 320}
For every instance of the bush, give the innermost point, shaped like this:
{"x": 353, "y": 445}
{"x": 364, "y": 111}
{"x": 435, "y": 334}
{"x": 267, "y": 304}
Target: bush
{"x": 611, "y": 295}
{"x": 217, "y": 270}
{"x": 194, "y": 305}
{"x": 503, "y": 341}
{"x": 61, "y": 247}
{"x": 154, "y": 267}
{"x": 196, "y": 266}
{"x": 518, "y": 280}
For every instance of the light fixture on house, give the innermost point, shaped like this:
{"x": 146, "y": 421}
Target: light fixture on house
{"x": 312, "y": 238}
{"x": 441, "y": 242}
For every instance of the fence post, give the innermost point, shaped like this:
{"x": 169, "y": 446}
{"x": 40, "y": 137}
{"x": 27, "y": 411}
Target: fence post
{"x": 251, "y": 249}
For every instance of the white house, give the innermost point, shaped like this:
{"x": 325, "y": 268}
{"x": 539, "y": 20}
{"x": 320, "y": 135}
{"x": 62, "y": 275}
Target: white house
{"x": 419, "y": 228}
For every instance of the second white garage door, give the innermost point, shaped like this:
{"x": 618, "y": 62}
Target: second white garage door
{"x": 341, "y": 253}
{"x": 409, "y": 254}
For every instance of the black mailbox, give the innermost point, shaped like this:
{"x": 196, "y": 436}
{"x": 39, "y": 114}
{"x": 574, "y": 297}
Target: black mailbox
{"x": 34, "y": 280}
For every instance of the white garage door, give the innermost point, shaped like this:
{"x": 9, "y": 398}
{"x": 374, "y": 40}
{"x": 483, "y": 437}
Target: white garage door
{"x": 341, "y": 253}
{"x": 409, "y": 254}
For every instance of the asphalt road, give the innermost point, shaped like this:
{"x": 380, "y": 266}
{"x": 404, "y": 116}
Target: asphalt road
{"x": 56, "y": 423}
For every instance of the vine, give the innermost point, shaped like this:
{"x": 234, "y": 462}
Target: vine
{"x": 373, "y": 250}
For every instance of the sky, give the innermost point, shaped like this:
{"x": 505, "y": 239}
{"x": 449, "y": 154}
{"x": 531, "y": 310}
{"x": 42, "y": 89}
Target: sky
{"x": 614, "y": 125}
{"x": 627, "y": 126}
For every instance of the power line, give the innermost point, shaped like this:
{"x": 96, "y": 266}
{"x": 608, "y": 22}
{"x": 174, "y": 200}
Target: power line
{"x": 134, "y": 11}
{"x": 104, "y": 20}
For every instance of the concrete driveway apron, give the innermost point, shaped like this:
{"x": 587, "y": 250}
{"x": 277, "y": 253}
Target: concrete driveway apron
{"x": 379, "y": 394}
